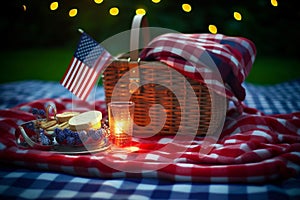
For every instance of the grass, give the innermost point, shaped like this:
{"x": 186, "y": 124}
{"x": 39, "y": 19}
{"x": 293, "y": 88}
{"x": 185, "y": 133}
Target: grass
{"x": 41, "y": 64}
{"x": 50, "y": 64}
{"x": 272, "y": 70}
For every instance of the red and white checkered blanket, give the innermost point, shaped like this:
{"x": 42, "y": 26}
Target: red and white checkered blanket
{"x": 204, "y": 57}
{"x": 253, "y": 147}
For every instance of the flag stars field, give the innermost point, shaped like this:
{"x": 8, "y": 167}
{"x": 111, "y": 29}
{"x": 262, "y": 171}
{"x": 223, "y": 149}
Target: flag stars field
{"x": 85, "y": 67}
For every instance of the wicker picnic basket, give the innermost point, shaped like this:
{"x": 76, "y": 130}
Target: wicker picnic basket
{"x": 139, "y": 86}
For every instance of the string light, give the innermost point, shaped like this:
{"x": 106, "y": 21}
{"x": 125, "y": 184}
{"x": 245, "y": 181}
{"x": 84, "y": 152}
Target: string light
{"x": 140, "y": 11}
{"x": 155, "y": 1}
{"x": 274, "y": 3}
{"x": 186, "y": 7}
{"x": 212, "y": 28}
{"x": 237, "y": 16}
{"x": 53, "y": 5}
{"x": 73, "y": 12}
{"x": 114, "y": 11}
{"x": 98, "y": 1}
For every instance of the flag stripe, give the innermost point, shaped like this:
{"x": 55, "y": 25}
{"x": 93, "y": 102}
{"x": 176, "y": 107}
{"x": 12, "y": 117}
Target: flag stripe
{"x": 78, "y": 77}
{"x": 89, "y": 85}
{"x": 100, "y": 63}
{"x": 83, "y": 78}
{"x": 85, "y": 67}
{"x": 84, "y": 84}
{"x": 73, "y": 74}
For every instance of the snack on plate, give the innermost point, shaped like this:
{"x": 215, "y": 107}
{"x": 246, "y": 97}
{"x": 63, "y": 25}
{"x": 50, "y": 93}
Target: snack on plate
{"x": 86, "y": 120}
{"x": 61, "y": 125}
{"x": 65, "y": 116}
{"x": 47, "y": 124}
{"x": 80, "y": 130}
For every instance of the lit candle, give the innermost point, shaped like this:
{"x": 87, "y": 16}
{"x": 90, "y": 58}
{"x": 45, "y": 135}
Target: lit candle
{"x": 120, "y": 115}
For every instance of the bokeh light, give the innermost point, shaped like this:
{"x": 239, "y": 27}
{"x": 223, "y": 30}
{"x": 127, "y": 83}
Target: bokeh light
{"x": 237, "y": 16}
{"x": 186, "y": 7}
{"x": 274, "y": 3}
{"x": 212, "y": 28}
{"x": 98, "y": 1}
{"x": 140, "y": 11}
{"x": 54, "y": 5}
{"x": 114, "y": 11}
{"x": 155, "y": 1}
{"x": 73, "y": 12}
{"x": 24, "y": 7}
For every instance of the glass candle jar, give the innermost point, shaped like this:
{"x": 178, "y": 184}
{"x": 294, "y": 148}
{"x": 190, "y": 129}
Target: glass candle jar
{"x": 120, "y": 116}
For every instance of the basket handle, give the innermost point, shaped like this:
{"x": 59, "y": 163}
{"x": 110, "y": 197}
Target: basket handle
{"x": 139, "y": 21}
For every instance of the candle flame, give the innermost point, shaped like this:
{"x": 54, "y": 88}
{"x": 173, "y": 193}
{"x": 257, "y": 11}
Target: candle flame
{"x": 119, "y": 127}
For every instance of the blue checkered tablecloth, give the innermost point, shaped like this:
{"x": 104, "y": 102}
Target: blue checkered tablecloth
{"x": 270, "y": 99}
{"x": 26, "y": 184}
{"x": 16, "y": 183}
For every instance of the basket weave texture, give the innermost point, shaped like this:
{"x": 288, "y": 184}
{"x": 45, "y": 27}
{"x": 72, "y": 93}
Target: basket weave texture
{"x": 186, "y": 104}
{"x": 184, "y": 115}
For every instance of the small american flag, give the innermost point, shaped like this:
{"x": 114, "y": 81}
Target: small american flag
{"x": 85, "y": 67}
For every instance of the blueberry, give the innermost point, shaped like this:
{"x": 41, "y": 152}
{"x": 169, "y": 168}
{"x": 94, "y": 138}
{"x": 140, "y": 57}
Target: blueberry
{"x": 76, "y": 137}
{"x": 34, "y": 111}
{"x": 60, "y": 137}
{"x": 44, "y": 139}
{"x": 95, "y": 134}
{"x": 41, "y": 112}
{"x": 67, "y": 132}
{"x": 78, "y": 141}
{"x": 91, "y": 132}
{"x": 73, "y": 134}
{"x": 57, "y": 130}
{"x": 83, "y": 135}
{"x": 30, "y": 126}
{"x": 98, "y": 134}
{"x": 70, "y": 140}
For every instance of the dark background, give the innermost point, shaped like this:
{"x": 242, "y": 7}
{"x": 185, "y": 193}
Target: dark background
{"x": 274, "y": 30}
